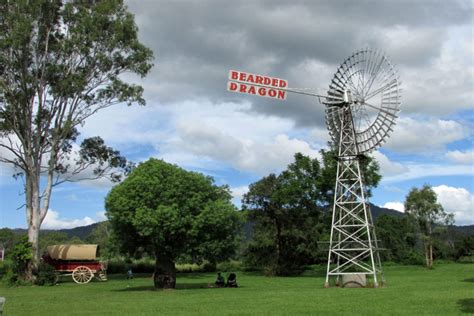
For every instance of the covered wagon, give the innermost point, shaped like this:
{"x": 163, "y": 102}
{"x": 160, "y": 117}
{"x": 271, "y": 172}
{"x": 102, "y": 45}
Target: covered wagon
{"x": 79, "y": 261}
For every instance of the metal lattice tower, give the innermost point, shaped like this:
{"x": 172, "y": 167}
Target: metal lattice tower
{"x": 358, "y": 127}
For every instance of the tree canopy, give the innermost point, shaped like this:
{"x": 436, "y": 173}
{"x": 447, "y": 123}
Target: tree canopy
{"x": 60, "y": 63}
{"x": 286, "y": 217}
{"x": 428, "y": 215}
{"x": 169, "y": 212}
{"x": 290, "y": 213}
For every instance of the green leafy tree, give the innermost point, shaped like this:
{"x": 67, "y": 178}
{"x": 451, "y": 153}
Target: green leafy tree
{"x": 61, "y": 63}
{"x": 8, "y": 239}
{"x": 369, "y": 167}
{"x": 170, "y": 212}
{"x": 290, "y": 212}
{"x": 427, "y": 214}
{"x": 102, "y": 236}
{"x": 397, "y": 239}
{"x": 21, "y": 256}
{"x": 464, "y": 248}
{"x": 48, "y": 238}
{"x": 286, "y": 218}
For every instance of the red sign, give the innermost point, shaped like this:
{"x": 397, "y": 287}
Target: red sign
{"x": 263, "y": 86}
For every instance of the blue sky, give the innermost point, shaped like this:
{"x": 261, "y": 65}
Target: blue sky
{"x": 191, "y": 120}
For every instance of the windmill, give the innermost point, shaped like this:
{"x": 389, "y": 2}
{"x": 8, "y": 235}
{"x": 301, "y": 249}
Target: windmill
{"x": 369, "y": 88}
{"x": 362, "y": 104}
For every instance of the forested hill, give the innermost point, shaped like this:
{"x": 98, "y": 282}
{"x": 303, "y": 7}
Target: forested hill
{"x": 83, "y": 231}
{"x": 377, "y": 211}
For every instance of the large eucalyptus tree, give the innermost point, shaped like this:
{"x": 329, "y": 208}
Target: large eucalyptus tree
{"x": 60, "y": 63}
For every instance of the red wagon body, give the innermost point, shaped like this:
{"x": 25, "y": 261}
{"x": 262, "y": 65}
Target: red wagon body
{"x": 79, "y": 261}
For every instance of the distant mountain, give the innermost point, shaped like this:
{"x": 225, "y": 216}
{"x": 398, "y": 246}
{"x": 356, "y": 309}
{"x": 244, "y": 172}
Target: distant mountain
{"x": 377, "y": 211}
{"x": 82, "y": 231}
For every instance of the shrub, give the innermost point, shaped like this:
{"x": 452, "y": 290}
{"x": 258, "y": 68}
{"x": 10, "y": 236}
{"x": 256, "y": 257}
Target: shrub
{"x": 20, "y": 257}
{"x": 116, "y": 266}
{"x": 414, "y": 258}
{"x": 46, "y": 274}
{"x": 466, "y": 259}
{"x": 228, "y": 266}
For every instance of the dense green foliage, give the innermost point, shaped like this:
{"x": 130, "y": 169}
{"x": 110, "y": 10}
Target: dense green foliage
{"x": 60, "y": 63}
{"x": 169, "y": 212}
{"x": 286, "y": 218}
{"x": 102, "y": 236}
{"x": 411, "y": 290}
{"x": 428, "y": 216}
{"x": 289, "y": 213}
{"x": 20, "y": 258}
{"x": 369, "y": 167}
{"x": 398, "y": 241}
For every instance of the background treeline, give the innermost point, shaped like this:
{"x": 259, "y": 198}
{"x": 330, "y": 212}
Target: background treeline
{"x": 282, "y": 227}
{"x": 393, "y": 229}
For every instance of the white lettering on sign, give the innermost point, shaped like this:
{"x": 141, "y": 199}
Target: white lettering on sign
{"x": 264, "y": 86}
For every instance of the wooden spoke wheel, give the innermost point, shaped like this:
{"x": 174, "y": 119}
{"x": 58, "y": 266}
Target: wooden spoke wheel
{"x": 82, "y": 275}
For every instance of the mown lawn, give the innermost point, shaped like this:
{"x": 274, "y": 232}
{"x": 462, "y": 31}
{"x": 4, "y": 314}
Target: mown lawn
{"x": 446, "y": 290}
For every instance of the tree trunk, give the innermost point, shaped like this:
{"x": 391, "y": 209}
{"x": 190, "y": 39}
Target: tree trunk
{"x": 165, "y": 272}
{"x": 35, "y": 215}
{"x": 279, "y": 264}
{"x": 33, "y": 206}
{"x": 431, "y": 255}
{"x": 427, "y": 259}
{"x": 429, "y": 250}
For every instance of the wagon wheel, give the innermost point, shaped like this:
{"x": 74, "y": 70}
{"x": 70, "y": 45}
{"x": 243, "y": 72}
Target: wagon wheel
{"x": 82, "y": 275}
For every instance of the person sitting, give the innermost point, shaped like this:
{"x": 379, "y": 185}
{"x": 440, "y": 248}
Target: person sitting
{"x": 231, "y": 280}
{"x": 220, "y": 282}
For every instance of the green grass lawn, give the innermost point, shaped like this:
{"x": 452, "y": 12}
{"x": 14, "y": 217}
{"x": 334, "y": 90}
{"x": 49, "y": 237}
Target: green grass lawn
{"x": 446, "y": 290}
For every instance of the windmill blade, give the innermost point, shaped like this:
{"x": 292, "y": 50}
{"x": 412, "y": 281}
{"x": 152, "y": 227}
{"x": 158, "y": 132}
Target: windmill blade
{"x": 372, "y": 87}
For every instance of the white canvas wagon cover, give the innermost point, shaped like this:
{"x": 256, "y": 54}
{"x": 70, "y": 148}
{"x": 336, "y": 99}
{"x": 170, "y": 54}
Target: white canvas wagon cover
{"x": 73, "y": 252}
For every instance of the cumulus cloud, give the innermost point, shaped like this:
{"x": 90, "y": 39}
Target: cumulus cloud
{"x": 241, "y": 153}
{"x": 457, "y": 201}
{"x": 238, "y": 193}
{"x": 431, "y": 42}
{"x": 388, "y": 167}
{"x": 419, "y": 170}
{"x": 462, "y": 157}
{"x": 398, "y": 206}
{"x": 53, "y": 220}
{"x": 421, "y": 136}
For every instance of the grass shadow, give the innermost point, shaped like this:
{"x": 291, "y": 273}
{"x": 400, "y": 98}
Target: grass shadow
{"x": 179, "y": 286}
{"x": 466, "y": 305}
{"x": 469, "y": 280}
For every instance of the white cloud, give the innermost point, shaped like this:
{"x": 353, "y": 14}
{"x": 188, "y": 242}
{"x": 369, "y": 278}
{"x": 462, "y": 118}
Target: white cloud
{"x": 100, "y": 216}
{"x": 242, "y": 153}
{"x": 442, "y": 85}
{"x": 320, "y": 135}
{"x": 388, "y": 167}
{"x": 238, "y": 193}
{"x": 457, "y": 201}
{"x": 54, "y": 221}
{"x": 417, "y": 171}
{"x": 462, "y": 157}
{"x": 421, "y": 136}
{"x": 398, "y": 206}
{"x": 216, "y": 136}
